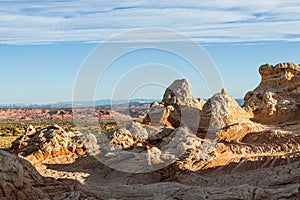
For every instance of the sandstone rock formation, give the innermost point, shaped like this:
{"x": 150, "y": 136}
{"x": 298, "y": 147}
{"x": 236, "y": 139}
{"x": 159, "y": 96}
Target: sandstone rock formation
{"x": 170, "y": 156}
{"x": 276, "y": 99}
{"x": 178, "y": 108}
{"x": 20, "y": 180}
{"x": 52, "y": 142}
{"x": 179, "y": 93}
{"x": 259, "y": 165}
{"x": 159, "y": 114}
{"x": 55, "y": 115}
{"x": 221, "y": 111}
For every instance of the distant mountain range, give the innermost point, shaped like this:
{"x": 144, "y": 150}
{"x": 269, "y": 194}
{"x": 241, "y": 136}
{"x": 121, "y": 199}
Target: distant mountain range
{"x": 98, "y": 103}
{"x": 70, "y": 104}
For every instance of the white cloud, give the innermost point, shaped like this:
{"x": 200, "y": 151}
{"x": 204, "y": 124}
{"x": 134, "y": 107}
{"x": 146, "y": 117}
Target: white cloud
{"x": 32, "y": 22}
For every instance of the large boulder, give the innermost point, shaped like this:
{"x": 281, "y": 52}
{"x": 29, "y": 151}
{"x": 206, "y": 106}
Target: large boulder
{"x": 178, "y": 108}
{"x": 53, "y": 142}
{"x": 179, "y": 94}
{"x": 222, "y": 110}
{"x": 158, "y": 115}
{"x": 277, "y": 98}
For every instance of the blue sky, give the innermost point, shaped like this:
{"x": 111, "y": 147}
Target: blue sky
{"x": 44, "y": 43}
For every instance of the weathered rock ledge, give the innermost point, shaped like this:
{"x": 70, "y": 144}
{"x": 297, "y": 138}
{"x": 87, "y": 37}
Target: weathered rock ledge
{"x": 277, "y": 98}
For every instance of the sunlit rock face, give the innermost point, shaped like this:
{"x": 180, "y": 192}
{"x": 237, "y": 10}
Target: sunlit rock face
{"x": 164, "y": 157}
{"x": 277, "y": 98}
{"x": 179, "y": 107}
{"x": 222, "y": 110}
{"x": 53, "y": 142}
{"x": 179, "y": 93}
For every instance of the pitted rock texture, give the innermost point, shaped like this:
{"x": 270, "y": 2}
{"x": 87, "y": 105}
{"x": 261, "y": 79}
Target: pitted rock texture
{"x": 158, "y": 115}
{"x": 262, "y": 163}
{"x": 221, "y": 111}
{"x": 277, "y": 98}
{"x": 182, "y": 109}
{"x": 178, "y": 108}
{"x": 179, "y": 93}
{"x": 232, "y": 166}
{"x": 52, "y": 142}
{"x": 186, "y": 108}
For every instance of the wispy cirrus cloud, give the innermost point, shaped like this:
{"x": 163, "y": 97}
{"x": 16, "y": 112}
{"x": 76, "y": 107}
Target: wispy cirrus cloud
{"x": 34, "y": 22}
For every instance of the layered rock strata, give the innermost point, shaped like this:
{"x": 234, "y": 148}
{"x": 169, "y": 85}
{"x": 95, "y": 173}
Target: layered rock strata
{"x": 53, "y": 142}
{"x": 277, "y": 98}
{"x": 185, "y": 149}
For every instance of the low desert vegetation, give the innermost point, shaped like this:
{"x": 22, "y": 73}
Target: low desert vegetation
{"x": 10, "y": 131}
{"x": 5, "y": 141}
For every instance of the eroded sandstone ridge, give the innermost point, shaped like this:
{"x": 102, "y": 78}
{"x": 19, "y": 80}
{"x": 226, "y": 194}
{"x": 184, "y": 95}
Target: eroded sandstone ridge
{"x": 277, "y": 98}
{"x": 53, "y": 142}
{"x": 21, "y": 181}
{"x": 185, "y": 148}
